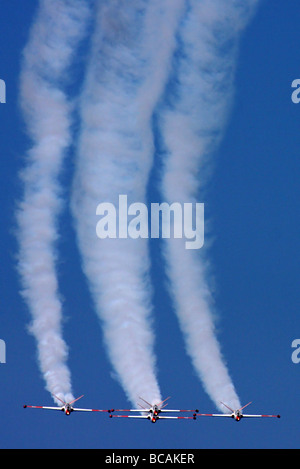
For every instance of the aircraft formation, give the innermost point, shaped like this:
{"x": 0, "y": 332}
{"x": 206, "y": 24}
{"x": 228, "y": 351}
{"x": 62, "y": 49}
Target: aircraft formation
{"x": 153, "y": 412}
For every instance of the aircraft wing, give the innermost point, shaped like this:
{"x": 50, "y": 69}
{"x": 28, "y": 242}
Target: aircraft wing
{"x": 130, "y": 416}
{"x": 129, "y": 410}
{"x": 89, "y": 410}
{"x": 41, "y": 407}
{"x": 175, "y": 417}
{"x": 149, "y": 418}
{"x": 253, "y": 415}
{"x": 178, "y": 410}
{"x": 214, "y": 415}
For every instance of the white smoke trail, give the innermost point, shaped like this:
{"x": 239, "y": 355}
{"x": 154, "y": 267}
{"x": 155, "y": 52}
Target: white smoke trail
{"x": 129, "y": 66}
{"x": 58, "y": 27}
{"x": 192, "y": 122}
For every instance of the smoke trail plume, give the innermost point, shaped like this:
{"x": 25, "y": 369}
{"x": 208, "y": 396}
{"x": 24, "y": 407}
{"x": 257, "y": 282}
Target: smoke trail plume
{"x": 129, "y": 66}
{"x": 58, "y": 27}
{"x": 192, "y": 121}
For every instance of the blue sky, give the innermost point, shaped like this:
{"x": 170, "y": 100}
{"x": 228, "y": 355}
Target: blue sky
{"x": 252, "y": 200}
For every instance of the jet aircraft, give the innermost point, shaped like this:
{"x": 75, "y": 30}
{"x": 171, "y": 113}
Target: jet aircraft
{"x": 66, "y": 407}
{"x": 153, "y": 412}
{"x": 236, "y": 414}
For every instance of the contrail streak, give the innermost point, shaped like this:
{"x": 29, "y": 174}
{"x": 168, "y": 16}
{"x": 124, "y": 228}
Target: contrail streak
{"x": 192, "y": 122}
{"x": 129, "y": 66}
{"x": 174, "y": 59}
{"x": 58, "y": 28}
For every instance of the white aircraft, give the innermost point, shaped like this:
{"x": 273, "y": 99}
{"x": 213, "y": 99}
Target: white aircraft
{"x": 153, "y": 412}
{"x": 66, "y": 407}
{"x": 236, "y": 414}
